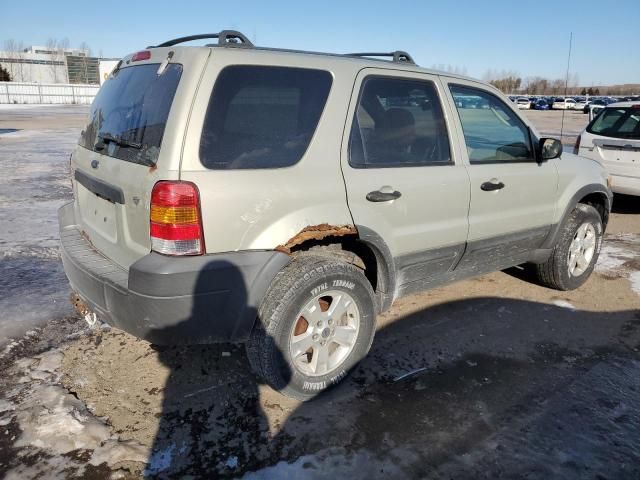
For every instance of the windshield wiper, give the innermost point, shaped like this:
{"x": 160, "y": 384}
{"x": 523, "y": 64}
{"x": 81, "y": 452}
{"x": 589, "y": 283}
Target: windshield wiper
{"x": 108, "y": 138}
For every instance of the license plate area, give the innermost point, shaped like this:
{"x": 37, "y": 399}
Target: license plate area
{"x": 98, "y": 214}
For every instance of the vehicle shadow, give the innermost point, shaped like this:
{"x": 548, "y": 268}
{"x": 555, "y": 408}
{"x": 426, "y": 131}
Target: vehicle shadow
{"x": 625, "y": 204}
{"x": 212, "y": 418}
{"x": 437, "y": 383}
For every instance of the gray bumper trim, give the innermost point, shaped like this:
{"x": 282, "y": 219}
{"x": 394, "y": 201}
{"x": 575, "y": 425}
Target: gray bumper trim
{"x": 171, "y": 300}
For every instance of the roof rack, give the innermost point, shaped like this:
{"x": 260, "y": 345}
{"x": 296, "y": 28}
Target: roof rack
{"x": 398, "y": 56}
{"x": 230, "y": 38}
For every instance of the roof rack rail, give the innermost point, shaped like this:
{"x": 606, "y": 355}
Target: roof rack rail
{"x": 230, "y": 38}
{"x": 398, "y": 56}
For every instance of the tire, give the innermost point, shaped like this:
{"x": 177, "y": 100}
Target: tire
{"x": 559, "y": 272}
{"x": 282, "y": 332}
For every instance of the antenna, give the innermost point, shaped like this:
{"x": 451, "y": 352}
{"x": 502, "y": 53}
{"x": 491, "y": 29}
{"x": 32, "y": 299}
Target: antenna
{"x": 566, "y": 82}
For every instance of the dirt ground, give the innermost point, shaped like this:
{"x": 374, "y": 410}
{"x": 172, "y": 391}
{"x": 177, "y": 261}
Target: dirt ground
{"x": 493, "y": 377}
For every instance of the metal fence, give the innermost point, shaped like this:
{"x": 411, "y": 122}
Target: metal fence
{"x": 20, "y": 92}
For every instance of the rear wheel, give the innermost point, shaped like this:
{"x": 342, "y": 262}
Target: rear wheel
{"x": 576, "y": 251}
{"x": 316, "y": 323}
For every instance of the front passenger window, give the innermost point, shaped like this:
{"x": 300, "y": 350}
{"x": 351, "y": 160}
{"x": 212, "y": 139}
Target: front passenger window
{"x": 492, "y": 132}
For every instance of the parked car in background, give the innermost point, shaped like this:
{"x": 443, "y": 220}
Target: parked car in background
{"x": 523, "y": 103}
{"x": 594, "y": 102}
{"x": 567, "y": 103}
{"x": 581, "y": 104}
{"x": 540, "y": 104}
{"x": 613, "y": 138}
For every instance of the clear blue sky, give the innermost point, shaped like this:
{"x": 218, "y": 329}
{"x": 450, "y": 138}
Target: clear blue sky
{"x": 530, "y": 38}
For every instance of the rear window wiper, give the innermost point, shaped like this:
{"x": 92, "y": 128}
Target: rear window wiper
{"x": 108, "y": 138}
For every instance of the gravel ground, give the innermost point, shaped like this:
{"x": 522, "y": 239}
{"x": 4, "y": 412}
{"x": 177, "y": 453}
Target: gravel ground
{"x": 493, "y": 377}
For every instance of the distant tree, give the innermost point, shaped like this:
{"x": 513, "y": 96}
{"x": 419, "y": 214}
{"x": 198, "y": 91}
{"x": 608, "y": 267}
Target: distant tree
{"x": 597, "y": 91}
{"x": 85, "y": 61}
{"x": 583, "y": 91}
{"x": 15, "y": 51}
{"x": 57, "y": 48}
{"x": 5, "y": 76}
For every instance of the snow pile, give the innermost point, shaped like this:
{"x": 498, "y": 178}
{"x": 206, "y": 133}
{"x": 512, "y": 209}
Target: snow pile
{"x": 617, "y": 258}
{"x": 54, "y": 420}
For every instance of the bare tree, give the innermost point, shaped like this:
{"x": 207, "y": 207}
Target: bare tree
{"x": 11, "y": 47}
{"x": 57, "y": 55}
{"x": 84, "y": 46}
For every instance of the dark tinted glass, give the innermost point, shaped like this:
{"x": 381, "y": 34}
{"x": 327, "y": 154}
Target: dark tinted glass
{"x": 398, "y": 123}
{"x": 617, "y": 122}
{"x": 132, "y": 107}
{"x": 262, "y": 117}
{"x": 492, "y": 131}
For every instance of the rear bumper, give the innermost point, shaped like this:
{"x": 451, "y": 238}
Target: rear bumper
{"x": 170, "y": 300}
{"x": 625, "y": 184}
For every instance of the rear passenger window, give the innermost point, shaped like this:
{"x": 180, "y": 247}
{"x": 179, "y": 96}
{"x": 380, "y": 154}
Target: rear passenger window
{"x": 399, "y": 123}
{"x": 262, "y": 117}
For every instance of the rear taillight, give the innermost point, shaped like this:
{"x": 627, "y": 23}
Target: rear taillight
{"x": 576, "y": 147}
{"x": 176, "y": 222}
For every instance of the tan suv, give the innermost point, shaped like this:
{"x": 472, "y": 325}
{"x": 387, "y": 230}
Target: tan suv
{"x": 228, "y": 193}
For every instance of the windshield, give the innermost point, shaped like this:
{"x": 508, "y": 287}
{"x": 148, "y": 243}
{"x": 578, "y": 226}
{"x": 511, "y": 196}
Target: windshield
{"x": 622, "y": 122}
{"x": 128, "y": 116}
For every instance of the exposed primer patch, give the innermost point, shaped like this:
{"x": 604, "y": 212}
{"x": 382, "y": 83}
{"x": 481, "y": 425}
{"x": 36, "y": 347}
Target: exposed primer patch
{"x": 317, "y": 232}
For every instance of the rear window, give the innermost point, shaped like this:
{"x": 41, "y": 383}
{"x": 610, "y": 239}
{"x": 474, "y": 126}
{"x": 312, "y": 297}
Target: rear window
{"x": 262, "y": 117}
{"x": 623, "y": 122}
{"x": 128, "y": 116}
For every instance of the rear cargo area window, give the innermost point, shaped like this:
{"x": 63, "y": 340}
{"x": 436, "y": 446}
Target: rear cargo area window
{"x": 128, "y": 116}
{"x": 262, "y": 117}
{"x": 618, "y": 123}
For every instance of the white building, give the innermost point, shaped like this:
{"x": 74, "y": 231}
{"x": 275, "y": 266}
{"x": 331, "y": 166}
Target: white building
{"x": 45, "y": 65}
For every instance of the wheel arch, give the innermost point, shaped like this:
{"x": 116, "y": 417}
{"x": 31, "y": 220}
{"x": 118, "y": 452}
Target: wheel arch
{"x": 364, "y": 248}
{"x": 595, "y": 195}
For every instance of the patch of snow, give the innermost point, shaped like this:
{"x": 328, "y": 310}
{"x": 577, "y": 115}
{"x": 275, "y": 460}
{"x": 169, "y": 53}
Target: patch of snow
{"x": 34, "y": 184}
{"x": 113, "y": 452}
{"x": 564, "y": 304}
{"x": 54, "y": 420}
{"x": 49, "y": 361}
{"x": 6, "y": 406}
{"x": 611, "y": 258}
{"x": 634, "y": 278}
{"x": 616, "y": 258}
{"x": 331, "y": 463}
{"x": 232, "y": 462}
{"x": 160, "y": 460}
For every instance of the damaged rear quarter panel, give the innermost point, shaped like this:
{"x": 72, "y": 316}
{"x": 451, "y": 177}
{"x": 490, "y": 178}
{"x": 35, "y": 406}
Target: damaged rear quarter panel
{"x": 263, "y": 209}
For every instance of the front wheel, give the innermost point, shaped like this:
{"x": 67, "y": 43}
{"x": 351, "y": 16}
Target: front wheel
{"x": 316, "y": 322}
{"x": 576, "y": 251}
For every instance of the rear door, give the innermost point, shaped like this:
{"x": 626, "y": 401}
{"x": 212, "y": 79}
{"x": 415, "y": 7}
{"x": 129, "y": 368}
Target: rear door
{"x": 513, "y": 197}
{"x": 403, "y": 176}
{"x": 132, "y": 139}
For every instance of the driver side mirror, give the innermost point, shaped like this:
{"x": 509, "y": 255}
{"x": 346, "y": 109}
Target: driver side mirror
{"x": 549, "y": 148}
